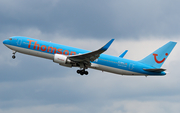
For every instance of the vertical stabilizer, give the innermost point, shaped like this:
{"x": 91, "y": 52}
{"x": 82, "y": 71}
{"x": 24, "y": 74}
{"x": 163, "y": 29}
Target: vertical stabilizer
{"x": 158, "y": 57}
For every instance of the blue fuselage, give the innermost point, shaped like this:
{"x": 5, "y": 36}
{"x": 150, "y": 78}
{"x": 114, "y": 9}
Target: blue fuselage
{"x": 105, "y": 62}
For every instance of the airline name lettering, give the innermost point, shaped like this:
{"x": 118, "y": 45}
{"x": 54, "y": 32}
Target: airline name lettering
{"x": 50, "y": 49}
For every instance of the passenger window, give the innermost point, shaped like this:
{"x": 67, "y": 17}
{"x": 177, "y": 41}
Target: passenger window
{"x": 10, "y": 38}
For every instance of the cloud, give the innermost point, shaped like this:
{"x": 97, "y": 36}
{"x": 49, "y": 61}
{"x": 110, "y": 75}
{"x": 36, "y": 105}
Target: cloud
{"x": 44, "y": 109}
{"x": 96, "y": 19}
{"x": 142, "y": 106}
{"x": 34, "y": 84}
{"x": 116, "y": 107}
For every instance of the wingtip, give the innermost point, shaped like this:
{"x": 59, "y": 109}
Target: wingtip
{"x": 173, "y": 42}
{"x": 105, "y": 47}
{"x": 110, "y": 42}
{"x": 112, "y": 39}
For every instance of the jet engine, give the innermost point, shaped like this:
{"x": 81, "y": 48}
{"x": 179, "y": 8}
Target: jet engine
{"x": 62, "y": 60}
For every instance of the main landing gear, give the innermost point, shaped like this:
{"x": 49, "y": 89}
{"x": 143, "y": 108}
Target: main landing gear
{"x": 82, "y": 72}
{"x": 14, "y": 52}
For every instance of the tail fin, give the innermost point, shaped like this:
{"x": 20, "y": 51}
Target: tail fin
{"x": 158, "y": 57}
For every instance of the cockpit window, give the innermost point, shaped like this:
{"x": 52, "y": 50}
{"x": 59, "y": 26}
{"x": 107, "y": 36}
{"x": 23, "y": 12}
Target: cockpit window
{"x": 10, "y": 38}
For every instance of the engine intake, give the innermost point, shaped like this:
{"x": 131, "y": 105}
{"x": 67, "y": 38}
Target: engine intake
{"x": 62, "y": 60}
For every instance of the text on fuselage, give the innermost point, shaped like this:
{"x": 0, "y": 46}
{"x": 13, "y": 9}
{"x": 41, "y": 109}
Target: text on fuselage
{"x": 49, "y": 48}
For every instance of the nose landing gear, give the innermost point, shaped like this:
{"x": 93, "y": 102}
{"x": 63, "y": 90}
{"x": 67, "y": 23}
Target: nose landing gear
{"x": 82, "y": 72}
{"x": 14, "y": 52}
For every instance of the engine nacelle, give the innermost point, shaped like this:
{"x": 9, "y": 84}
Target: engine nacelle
{"x": 62, "y": 60}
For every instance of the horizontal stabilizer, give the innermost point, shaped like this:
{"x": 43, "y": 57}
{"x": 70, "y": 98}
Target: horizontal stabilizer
{"x": 155, "y": 70}
{"x": 123, "y": 54}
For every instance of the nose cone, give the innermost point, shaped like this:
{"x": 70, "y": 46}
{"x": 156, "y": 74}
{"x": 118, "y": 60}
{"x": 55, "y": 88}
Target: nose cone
{"x": 5, "y": 41}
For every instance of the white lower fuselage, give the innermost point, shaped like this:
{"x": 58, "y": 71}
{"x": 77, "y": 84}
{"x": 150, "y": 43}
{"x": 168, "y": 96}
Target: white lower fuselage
{"x": 51, "y": 57}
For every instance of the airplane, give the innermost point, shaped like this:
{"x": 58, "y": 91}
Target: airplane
{"x": 84, "y": 59}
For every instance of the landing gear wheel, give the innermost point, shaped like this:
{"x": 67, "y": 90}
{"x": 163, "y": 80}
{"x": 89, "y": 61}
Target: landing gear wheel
{"x": 86, "y": 72}
{"x": 82, "y": 72}
{"x": 78, "y": 71}
{"x": 13, "y": 56}
{"x": 14, "y": 52}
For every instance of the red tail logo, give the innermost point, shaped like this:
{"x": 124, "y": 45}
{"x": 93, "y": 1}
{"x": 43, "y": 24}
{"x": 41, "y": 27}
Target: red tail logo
{"x": 155, "y": 55}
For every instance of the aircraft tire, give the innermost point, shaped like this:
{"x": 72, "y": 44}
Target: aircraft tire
{"x": 82, "y": 73}
{"x": 86, "y": 72}
{"x": 78, "y": 71}
{"x": 13, "y": 56}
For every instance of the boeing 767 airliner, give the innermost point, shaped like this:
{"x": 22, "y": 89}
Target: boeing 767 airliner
{"x": 84, "y": 59}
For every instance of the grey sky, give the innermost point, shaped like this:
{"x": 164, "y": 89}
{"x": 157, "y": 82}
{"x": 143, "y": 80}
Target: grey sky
{"x": 30, "y": 84}
{"x": 97, "y": 19}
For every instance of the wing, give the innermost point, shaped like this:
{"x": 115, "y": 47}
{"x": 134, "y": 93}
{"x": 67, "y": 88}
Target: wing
{"x": 91, "y": 56}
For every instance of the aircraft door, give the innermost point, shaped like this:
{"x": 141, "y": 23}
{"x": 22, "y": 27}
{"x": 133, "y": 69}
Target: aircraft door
{"x": 131, "y": 66}
{"x": 19, "y": 42}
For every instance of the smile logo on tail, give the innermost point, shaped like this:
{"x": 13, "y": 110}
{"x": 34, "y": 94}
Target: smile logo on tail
{"x": 155, "y": 55}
